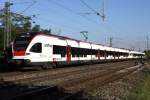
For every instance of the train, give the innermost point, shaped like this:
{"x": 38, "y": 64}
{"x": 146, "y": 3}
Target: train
{"x": 49, "y": 50}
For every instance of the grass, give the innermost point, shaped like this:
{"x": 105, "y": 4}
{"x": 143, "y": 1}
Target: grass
{"x": 141, "y": 91}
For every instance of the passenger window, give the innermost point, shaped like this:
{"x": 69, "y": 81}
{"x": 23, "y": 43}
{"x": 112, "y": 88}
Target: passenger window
{"x": 37, "y": 48}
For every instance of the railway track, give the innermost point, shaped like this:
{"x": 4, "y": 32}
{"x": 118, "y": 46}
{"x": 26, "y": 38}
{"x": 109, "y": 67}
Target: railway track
{"x": 53, "y": 77}
{"x": 74, "y": 79}
{"x": 100, "y": 81}
{"x": 60, "y": 75}
{"x": 31, "y": 74}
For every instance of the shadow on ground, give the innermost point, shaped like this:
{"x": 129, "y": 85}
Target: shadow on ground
{"x": 11, "y": 91}
{"x": 8, "y": 67}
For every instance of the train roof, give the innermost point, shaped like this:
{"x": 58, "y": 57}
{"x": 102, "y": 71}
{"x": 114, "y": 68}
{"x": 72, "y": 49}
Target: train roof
{"x": 32, "y": 34}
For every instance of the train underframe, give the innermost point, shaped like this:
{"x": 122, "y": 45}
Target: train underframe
{"x": 45, "y": 65}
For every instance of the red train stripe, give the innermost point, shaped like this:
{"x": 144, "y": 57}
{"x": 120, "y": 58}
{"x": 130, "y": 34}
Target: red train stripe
{"x": 19, "y": 53}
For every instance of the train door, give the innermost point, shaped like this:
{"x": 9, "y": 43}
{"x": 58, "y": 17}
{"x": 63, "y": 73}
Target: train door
{"x": 36, "y": 52}
{"x": 47, "y": 51}
{"x": 114, "y": 55}
{"x": 118, "y": 55}
{"x": 105, "y": 54}
{"x": 68, "y": 52}
{"x": 99, "y": 55}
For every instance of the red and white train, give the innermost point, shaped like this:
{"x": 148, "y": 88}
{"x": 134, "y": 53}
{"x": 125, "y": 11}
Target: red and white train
{"x": 35, "y": 48}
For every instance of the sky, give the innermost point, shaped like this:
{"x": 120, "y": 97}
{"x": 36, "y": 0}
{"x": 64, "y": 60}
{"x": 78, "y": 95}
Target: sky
{"x": 127, "y": 21}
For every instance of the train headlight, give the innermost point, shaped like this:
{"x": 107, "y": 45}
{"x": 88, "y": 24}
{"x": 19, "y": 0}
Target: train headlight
{"x": 27, "y": 53}
{"x": 28, "y": 60}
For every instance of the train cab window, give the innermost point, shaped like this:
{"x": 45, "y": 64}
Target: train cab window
{"x": 37, "y": 48}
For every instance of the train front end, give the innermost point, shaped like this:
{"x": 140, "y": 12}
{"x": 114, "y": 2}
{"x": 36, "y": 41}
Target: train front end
{"x": 19, "y": 48}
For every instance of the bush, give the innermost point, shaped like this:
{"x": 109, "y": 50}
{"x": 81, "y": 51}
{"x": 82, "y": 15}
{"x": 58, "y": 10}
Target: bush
{"x": 147, "y": 54}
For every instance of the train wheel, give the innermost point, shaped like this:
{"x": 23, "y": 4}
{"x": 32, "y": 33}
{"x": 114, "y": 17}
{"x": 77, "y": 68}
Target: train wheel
{"x": 54, "y": 65}
{"x": 46, "y": 66}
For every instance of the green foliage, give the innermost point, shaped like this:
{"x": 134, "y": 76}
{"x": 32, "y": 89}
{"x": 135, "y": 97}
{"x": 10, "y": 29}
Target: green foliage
{"x": 1, "y": 38}
{"x": 142, "y": 90}
{"x": 46, "y": 31}
{"x": 36, "y": 28}
{"x": 20, "y": 24}
{"x": 1, "y": 54}
{"x": 147, "y": 54}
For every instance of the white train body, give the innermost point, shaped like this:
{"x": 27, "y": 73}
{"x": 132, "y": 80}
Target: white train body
{"x": 47, "y": 48}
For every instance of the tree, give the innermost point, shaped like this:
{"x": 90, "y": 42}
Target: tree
{"x": 1, "y": 38}
{"x": 19, "y": 24}
{"x": 46, "y": 31}
{"x": 36, "y": 28}
{"x": 147, "y": 53}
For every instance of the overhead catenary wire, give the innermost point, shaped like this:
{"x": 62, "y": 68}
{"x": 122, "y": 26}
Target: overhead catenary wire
{"x": 28, "y": 7}
{"x": 88, "y": 6}
{"x": 72, "y": 11}
{"x": 67, "y": 9}
{"x": 21, "y": 2}
{"x": 66, "y": 27}
{"x": 56, "y": 24}
{"x": 93, "y": 10}
{"x": 67, "y": 17}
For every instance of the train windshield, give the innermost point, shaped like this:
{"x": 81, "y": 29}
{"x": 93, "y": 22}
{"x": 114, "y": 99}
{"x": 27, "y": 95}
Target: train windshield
{"x": 22, "y": 41}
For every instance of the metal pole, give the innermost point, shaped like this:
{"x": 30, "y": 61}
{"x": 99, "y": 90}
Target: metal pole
{"x": 147, "y": 42}
{"x": 85, "y": 34}
{"x": 5, "y": 33}
{"x": 110, "y": 41}
{"x": 7, "y": 25}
